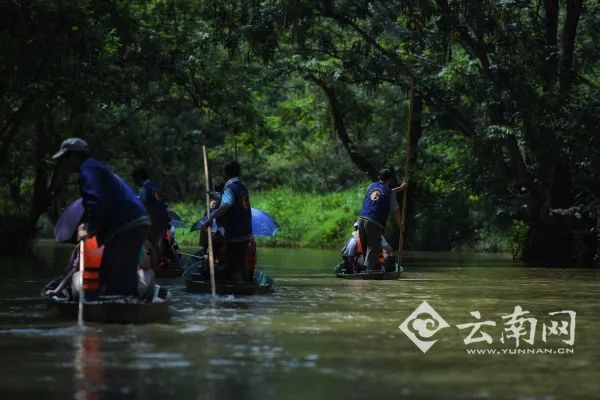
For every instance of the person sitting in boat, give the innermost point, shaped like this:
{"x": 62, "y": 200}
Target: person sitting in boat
{"x": 220, "y": 258}
{"x": 218, "y": 240}
{"x": 236, "y": 211}
{"x": 63, "y": 289}
{"x": 379, "y": 200}
{"x": 113, "y": 214}
{"x": 170, "y": 255}
{"x": 217, "y": 226}
{"x": 157, "y": 209}
{"x": 353, "y": 253}
{"x": 146, "y": 275}
{"x": 70, "y": 285}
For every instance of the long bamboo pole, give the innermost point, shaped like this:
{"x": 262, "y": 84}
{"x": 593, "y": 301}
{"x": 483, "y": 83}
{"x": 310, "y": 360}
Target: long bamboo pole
{"x": 81, "y": 291}
{"x": 406, "y": 176}
{"x": 211, "y": 260}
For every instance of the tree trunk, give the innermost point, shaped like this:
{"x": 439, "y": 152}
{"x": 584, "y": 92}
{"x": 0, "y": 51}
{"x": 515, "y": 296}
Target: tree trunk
{"x": 338, "y": 114}
{"x": 562, "y": 235}
{"x": 40, "y": 200}
{"x": 566, "y": 74}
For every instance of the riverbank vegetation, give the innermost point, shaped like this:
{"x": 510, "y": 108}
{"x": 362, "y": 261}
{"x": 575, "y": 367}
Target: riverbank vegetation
{"x": 312, "y": 98}
{"x": 325, "y": 220}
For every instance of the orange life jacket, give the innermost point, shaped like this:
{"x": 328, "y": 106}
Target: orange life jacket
{"x": 168, "y": 258}
{"x": 251, "y": 256}
{"x": 92, "y": 259}
{"x": 359, "y": 250}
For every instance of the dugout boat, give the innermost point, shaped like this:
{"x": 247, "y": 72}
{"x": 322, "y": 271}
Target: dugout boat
{"x": 197, "y": 280}
{"x": 111, "y": 309}
{"x": 341, "y": 271}
{"x": 169, "y": 272}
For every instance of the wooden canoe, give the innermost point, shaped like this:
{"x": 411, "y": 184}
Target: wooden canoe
{"x": 111, "y": 309}
{"x": 371, "y": 275}
{"x": 340, "y": 273}
{"x": 168, "y": 272}
{"x": 195, "y": 282}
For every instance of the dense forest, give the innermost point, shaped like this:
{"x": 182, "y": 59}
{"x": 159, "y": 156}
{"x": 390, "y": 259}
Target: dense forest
{"x": 312, "y": 98}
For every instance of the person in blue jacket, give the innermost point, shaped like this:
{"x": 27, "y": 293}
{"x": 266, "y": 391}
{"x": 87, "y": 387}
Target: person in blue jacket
{"x": 113, "y": 213}
{"x": 236, "y": 214}
{"x": 378, "y": 202}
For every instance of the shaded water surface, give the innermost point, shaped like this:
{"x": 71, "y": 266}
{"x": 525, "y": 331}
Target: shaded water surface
{"x": 316, "y": 337}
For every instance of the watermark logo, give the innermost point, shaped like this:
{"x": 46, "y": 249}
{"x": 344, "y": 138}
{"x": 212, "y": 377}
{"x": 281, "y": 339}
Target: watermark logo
{"x": 519, "y": 329}
{"x": 422, "y": 324}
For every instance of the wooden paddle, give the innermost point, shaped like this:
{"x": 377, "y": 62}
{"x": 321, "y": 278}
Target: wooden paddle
{"x": 211, "y": 260}
{"x": 406, "y": 159}
{"x": 81, "y": 291}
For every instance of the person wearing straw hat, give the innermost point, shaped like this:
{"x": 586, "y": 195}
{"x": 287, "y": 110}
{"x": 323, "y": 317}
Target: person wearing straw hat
{"x": 378, "y": 202}
{"x": 113, "y": 214}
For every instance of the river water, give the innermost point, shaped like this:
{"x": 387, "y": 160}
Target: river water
{"x": 316, "y": 337}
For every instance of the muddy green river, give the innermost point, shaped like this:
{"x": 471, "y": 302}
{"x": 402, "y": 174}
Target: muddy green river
{"x": 316, "y": 336}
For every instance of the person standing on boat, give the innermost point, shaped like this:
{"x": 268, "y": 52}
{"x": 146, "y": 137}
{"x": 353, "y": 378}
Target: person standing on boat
{"x": 113, "y": 213}
{"x": 157, "y": 208}
{"x": 378, "y": 202}
{"x": 236, "y": 214}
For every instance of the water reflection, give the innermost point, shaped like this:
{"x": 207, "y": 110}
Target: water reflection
{"x": 89, "y": 371}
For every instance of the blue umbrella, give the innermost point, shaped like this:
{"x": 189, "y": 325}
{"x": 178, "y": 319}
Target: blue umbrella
{"x": 262, "y": 224}
{"x": 67, "y": 222}
{"x": 175, "y": 219}
{"x": 71, "y": 217}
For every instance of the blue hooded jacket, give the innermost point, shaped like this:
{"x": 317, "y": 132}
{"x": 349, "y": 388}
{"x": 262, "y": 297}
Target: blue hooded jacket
{"x": 111, "y": 206}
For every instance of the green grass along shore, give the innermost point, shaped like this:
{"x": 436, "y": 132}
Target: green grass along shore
{"x": 324, "y": 220}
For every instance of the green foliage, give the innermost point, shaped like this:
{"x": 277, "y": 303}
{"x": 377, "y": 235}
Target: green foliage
{"x": 311, "y": 97}
{"x": 518, "y": 239}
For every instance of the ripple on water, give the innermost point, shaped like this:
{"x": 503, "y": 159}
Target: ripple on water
{"x": 49, "y": 332}
{"x": 161, "y": 356}
{"x": 161, "y": 360}
{"x": 223, "y": 362}
{"x": 193, "y": 329}
{"x": 215, "y": 377}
